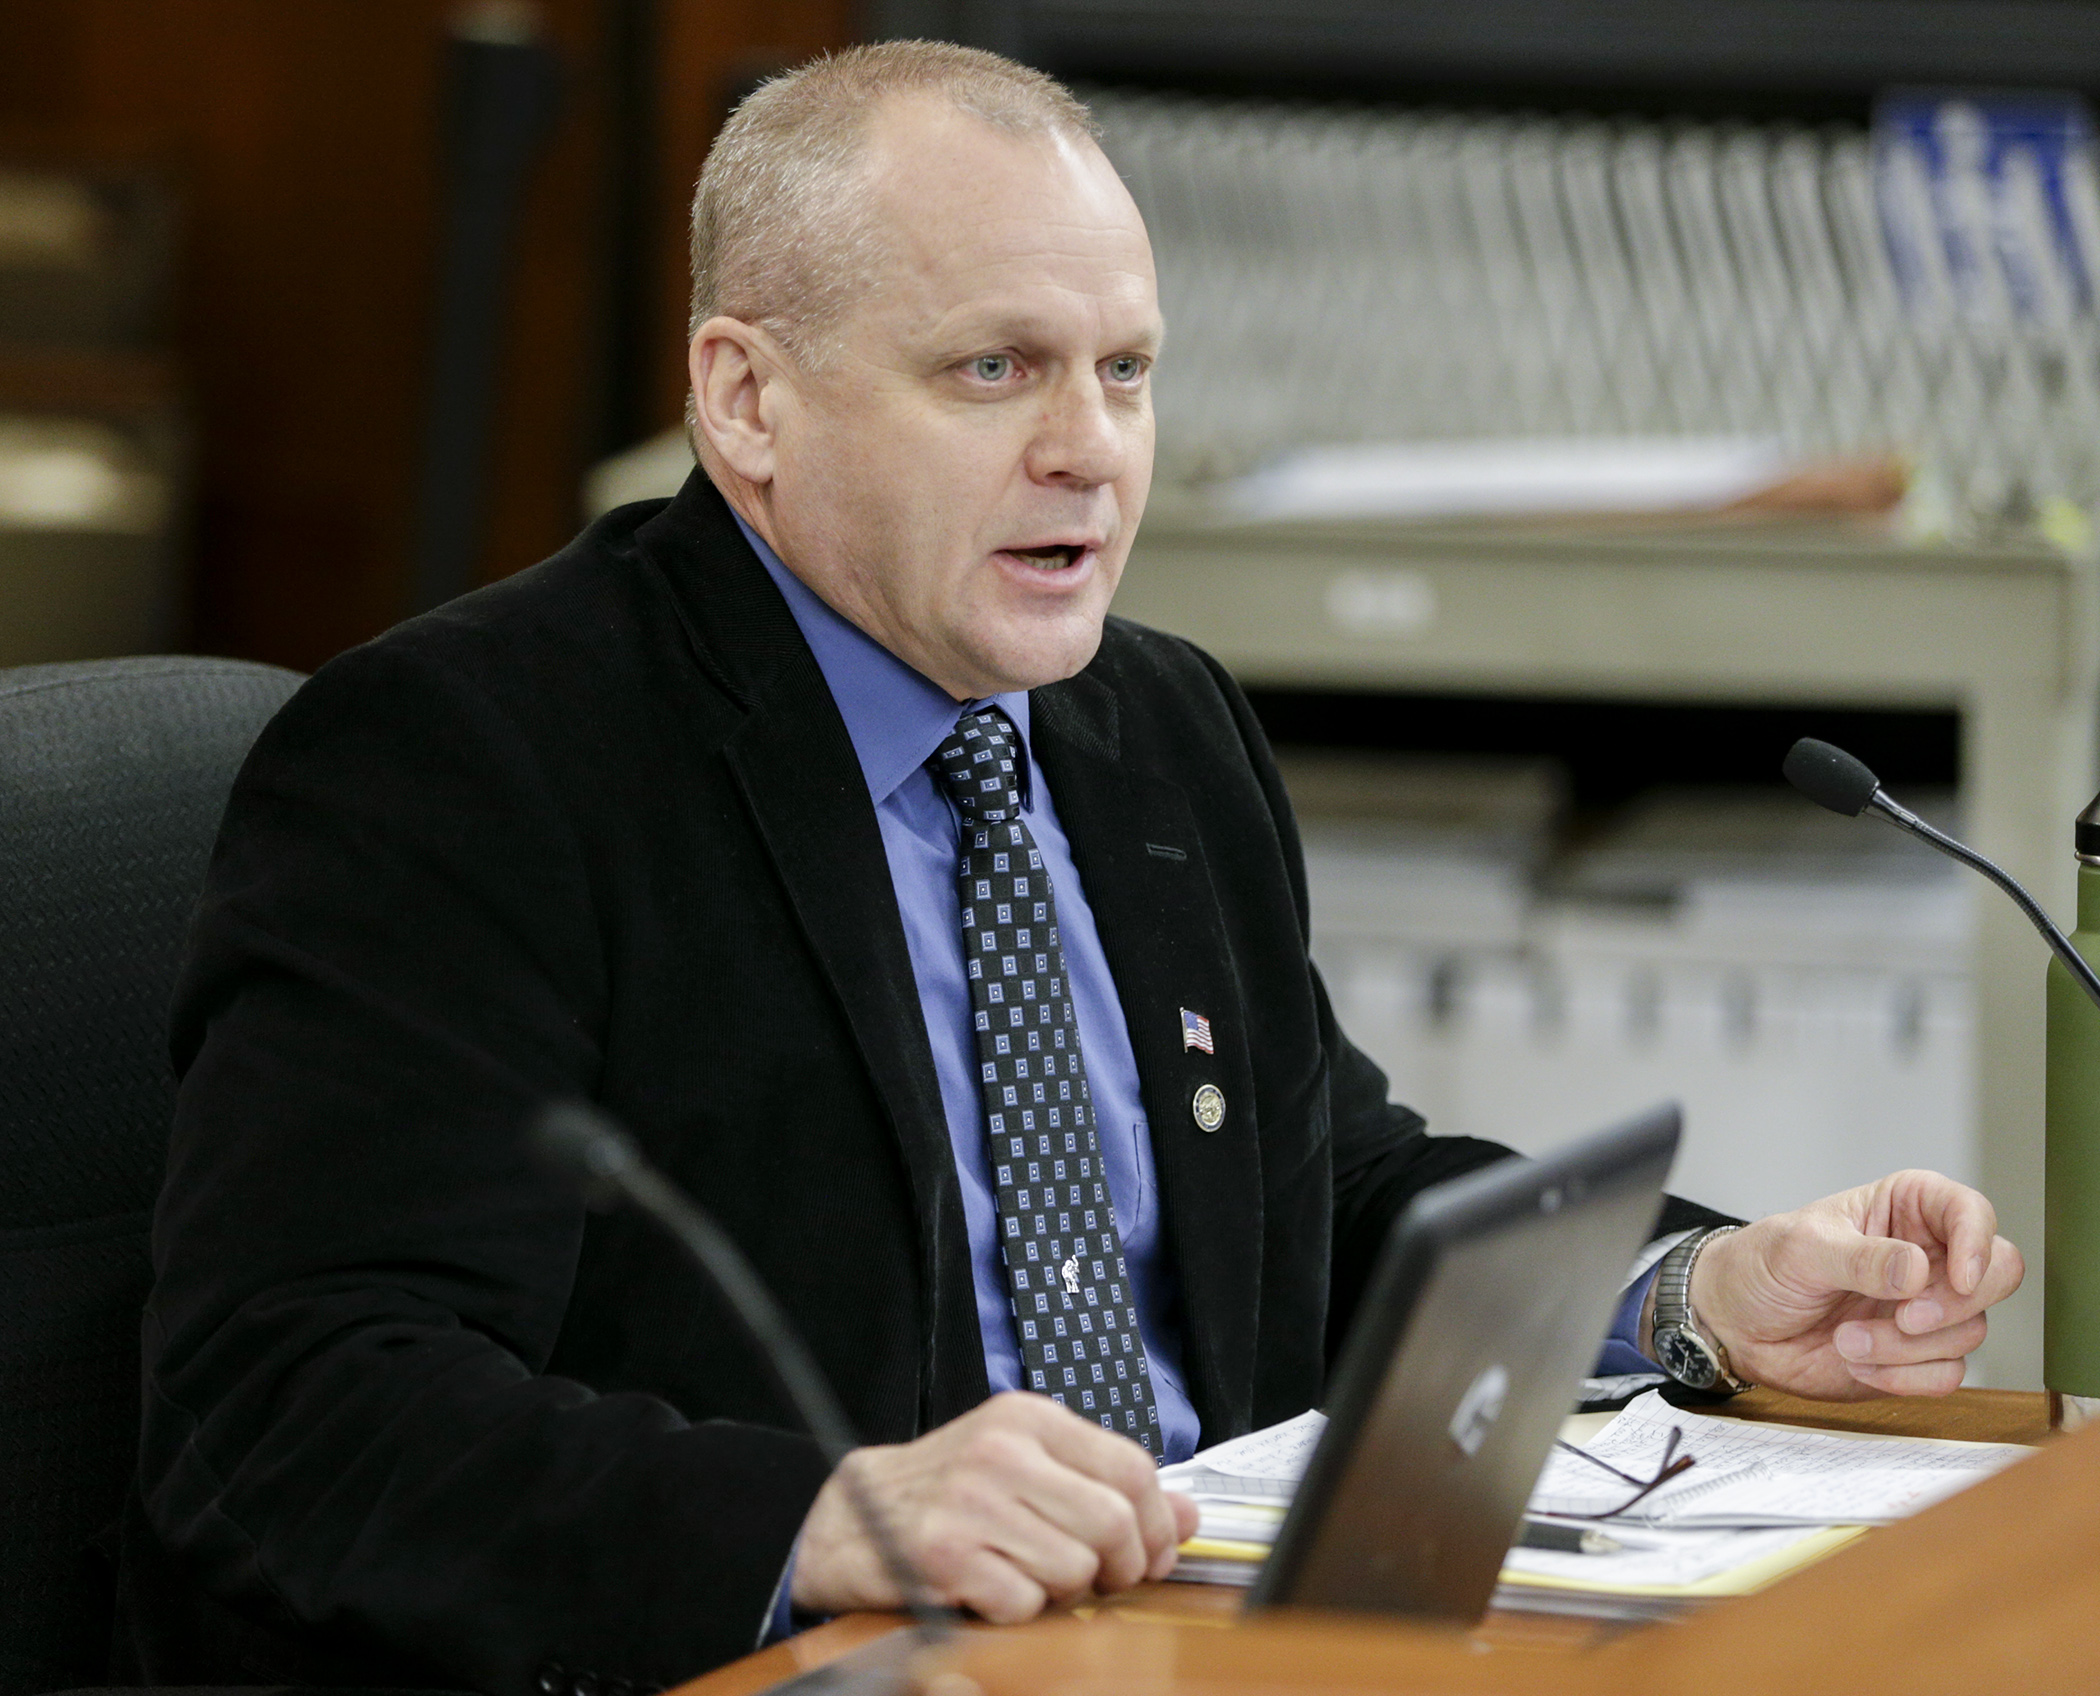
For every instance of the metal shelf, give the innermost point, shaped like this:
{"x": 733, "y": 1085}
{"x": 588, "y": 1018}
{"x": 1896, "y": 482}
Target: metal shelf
{"x": 2008, "y": 636}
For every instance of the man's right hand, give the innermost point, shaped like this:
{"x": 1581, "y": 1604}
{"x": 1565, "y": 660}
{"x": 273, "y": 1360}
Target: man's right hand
{"x": 1016, "y": 1504}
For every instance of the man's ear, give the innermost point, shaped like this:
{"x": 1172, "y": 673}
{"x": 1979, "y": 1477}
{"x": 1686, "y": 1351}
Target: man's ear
{"x": 734, "y": 368}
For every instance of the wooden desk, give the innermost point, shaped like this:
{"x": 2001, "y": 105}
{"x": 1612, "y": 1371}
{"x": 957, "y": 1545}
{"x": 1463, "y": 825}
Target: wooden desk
{"x": 1997, "y": 1588}
{"x": 1972, "y": 1416}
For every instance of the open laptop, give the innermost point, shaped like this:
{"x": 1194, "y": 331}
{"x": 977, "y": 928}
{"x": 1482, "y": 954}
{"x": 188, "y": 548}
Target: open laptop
{"x": 1485, "y": 1312}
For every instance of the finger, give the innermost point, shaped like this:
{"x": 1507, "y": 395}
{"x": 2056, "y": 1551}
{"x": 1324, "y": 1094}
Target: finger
{"x": 1117, "y": 1462}
{"x": 2006, "y": 1271}
{"x": 1063, "y": 1568}
{"x": 993, "y": 1588}
{"x": 1881, "y": 1342}
{"x": 1094, "y": 1513}
{"x": 1959, "y": 1217}
{"x": 1062, "y": 1526}
{"x": 1928, "y": 1378}
{"x": 1941, "y": 1305}
{"x": 1187, "y": 1519}
{"x": 1085, "y": 1481}
{"x": 995, "y": 1515}
{"x": 1828, "y": 1254}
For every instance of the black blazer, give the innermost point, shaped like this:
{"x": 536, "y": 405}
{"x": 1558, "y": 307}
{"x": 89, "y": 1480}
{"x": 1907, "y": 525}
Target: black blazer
{"x": 412, "y": 1415}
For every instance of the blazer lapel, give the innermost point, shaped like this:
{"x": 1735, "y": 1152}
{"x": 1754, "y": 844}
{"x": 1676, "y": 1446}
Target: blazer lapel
{"x": 1134, "y": 840}
{"x": 795, "y": 765}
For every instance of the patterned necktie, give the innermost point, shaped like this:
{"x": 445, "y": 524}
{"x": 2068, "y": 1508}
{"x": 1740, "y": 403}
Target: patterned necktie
{"x": 1066, "y": 1281}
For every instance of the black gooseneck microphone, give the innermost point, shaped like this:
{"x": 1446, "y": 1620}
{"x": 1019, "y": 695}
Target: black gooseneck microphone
{"x": 1832, "y": 778}
{"x": 587, "y": 1146}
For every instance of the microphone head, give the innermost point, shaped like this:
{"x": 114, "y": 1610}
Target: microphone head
{"x": 585, "y": 1146}
{"x": 1830, "y": 777}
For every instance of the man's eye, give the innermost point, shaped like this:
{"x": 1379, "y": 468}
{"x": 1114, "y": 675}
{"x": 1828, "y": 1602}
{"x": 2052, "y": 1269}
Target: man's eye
{"x": 1125, "y": 368}
{"x": 991, "y": 367}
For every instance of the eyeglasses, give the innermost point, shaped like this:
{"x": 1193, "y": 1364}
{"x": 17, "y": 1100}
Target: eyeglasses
{"x": 1671, "y": 1465}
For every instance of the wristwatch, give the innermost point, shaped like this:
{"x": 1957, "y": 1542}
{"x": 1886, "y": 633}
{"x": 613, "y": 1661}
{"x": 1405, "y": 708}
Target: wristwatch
{"x": 1684, "y": 1351}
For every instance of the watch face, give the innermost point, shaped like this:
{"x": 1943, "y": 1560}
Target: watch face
{"x": 1686, "y": 1358}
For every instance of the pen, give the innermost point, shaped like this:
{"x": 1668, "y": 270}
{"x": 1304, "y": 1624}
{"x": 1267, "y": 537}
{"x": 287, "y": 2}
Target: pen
{"x": 1568, "y": 1539}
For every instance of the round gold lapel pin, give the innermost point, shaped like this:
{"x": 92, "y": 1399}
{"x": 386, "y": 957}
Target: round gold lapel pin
{"x": 1209, "y": 1107}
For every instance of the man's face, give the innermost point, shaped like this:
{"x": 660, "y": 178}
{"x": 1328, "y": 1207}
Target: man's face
{"x": 962, "y": 479}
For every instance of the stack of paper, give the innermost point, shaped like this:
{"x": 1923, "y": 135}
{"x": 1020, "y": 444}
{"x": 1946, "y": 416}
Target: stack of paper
{"x": 1664, "y": 1565}
{"x": 1242, "y": 1488}
{"x": 1757, "y": 1502}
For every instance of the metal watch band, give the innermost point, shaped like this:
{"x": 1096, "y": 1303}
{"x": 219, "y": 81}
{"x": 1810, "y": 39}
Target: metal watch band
{"x": 1673, "y": 1310}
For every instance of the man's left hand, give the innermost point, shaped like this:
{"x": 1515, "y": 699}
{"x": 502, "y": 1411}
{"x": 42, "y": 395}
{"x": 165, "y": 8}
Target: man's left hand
{"x": 1877, "y": 1291}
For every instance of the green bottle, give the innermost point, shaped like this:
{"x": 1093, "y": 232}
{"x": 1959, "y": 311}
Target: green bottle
{"x": 2071, "y": 1230}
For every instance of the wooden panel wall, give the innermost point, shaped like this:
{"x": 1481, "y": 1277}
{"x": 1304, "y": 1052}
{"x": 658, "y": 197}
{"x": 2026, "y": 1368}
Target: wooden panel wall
{"x": 711, "y": 52}
{"x": 305, "y": 139}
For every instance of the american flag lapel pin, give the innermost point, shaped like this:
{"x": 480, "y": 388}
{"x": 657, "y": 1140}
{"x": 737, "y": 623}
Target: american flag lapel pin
{"x": 1195, "y": 1032}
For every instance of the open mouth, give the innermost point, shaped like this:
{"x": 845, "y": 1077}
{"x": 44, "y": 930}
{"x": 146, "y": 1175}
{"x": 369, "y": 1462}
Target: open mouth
{"x": 1056, "y": 557}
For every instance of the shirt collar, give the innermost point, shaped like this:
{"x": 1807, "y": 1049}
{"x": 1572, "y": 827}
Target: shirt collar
{"x": 895, "y": 717}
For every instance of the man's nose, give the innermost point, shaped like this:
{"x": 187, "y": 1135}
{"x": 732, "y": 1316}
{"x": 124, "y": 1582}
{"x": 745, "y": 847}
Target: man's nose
{"x": 1079, "y": 438}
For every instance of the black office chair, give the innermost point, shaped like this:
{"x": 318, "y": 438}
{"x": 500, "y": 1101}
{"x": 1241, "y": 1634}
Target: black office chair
{"x": 113, "y": 774}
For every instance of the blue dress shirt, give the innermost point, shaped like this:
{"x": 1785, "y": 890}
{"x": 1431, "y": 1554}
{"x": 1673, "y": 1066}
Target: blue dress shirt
{"x": 896, "y": 719}
{"x": 1621, "y": 1354}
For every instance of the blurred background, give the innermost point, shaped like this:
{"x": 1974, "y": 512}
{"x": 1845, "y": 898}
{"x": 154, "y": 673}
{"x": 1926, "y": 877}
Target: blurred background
{"x": 223, "y": 235}
{"x": 1568, "y": 403}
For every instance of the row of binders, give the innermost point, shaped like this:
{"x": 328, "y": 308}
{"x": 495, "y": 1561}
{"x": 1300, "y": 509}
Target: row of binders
{"x": 1924, "y": 287}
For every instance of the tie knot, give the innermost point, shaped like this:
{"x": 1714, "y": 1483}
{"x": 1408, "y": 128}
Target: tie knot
{"x": 978, "y": 767}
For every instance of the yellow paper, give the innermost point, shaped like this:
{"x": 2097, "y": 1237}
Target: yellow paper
{"x": 1736, "y": 1581}
{"x": 1220, "y": 1549}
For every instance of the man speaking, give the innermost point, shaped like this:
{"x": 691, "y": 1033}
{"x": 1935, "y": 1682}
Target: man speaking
{"x": 944, "y": 937}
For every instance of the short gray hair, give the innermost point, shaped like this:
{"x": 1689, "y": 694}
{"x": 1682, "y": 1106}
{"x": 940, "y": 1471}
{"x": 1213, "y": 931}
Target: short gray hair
{"x": 782, "y": 237}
